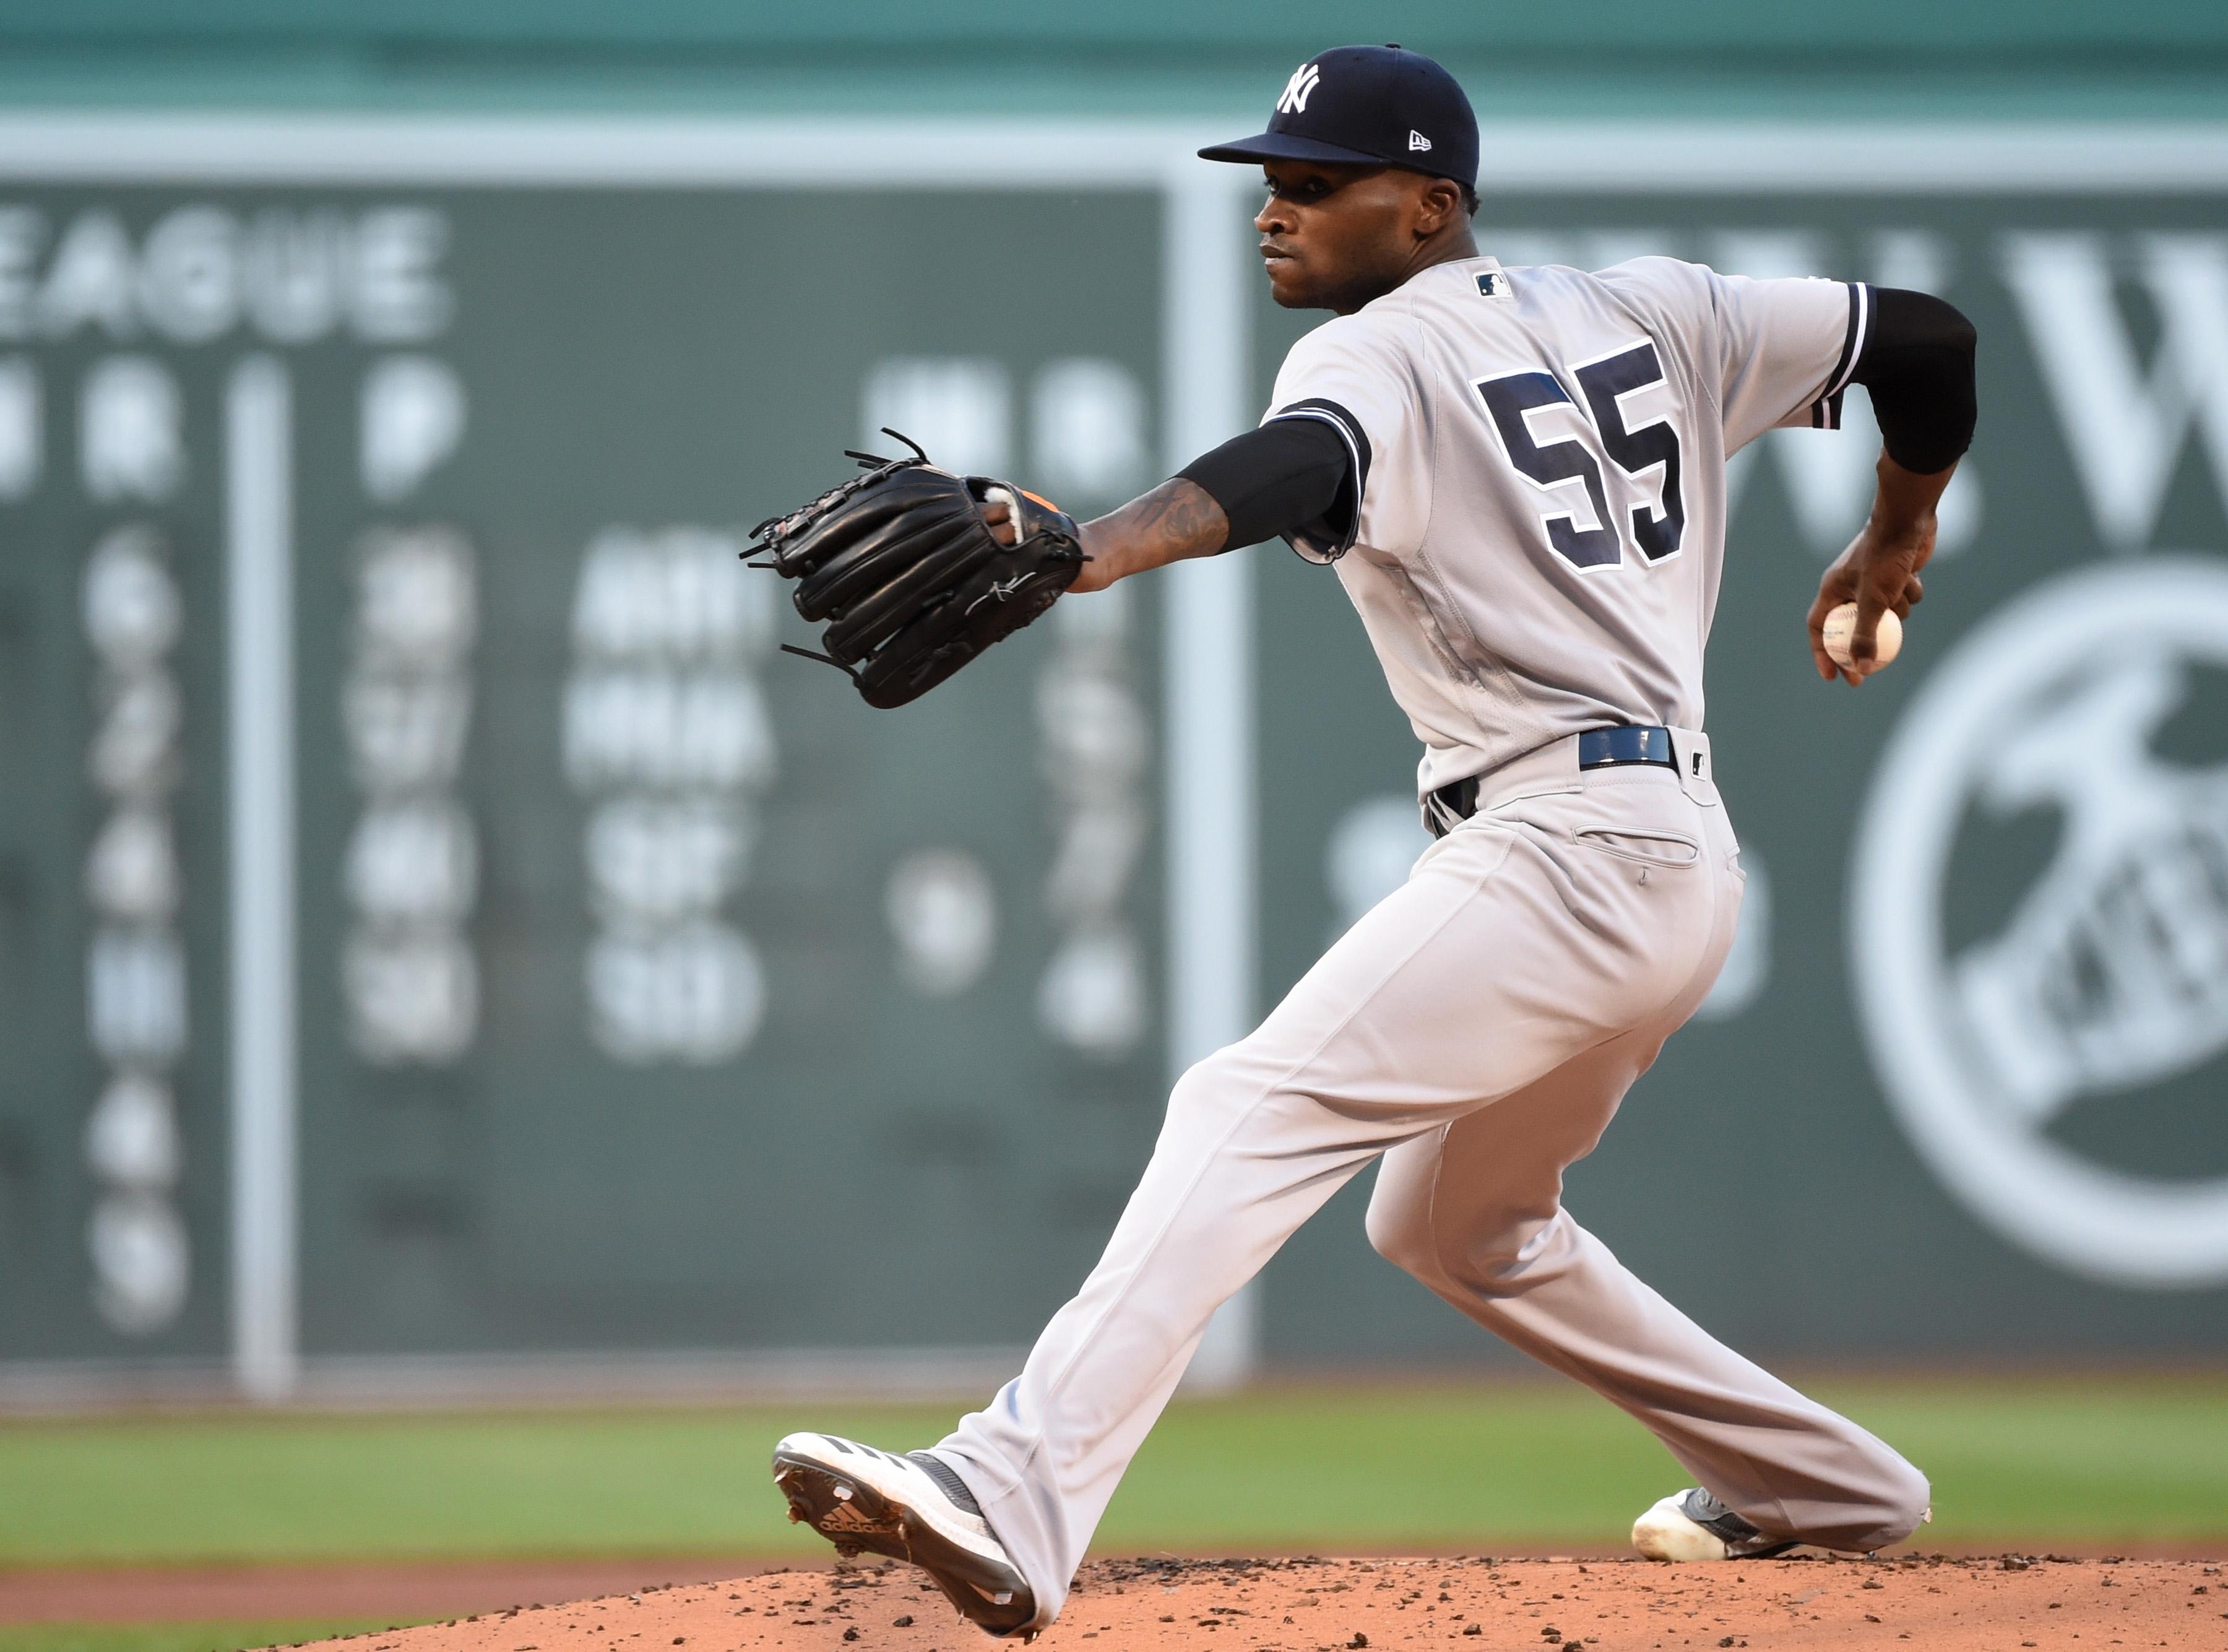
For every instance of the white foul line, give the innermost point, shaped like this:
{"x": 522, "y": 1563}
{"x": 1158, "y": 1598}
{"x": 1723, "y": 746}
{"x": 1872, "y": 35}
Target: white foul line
{"x": 258, "y": 574}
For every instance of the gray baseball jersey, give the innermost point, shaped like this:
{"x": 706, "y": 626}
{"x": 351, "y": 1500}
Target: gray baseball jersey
{"x": 1539, "y": 457}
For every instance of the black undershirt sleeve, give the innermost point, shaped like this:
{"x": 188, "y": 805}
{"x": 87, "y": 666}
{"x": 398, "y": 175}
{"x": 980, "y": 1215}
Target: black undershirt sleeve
{"x": 1286, "y": 475}
{"x": 1917, "y": 364}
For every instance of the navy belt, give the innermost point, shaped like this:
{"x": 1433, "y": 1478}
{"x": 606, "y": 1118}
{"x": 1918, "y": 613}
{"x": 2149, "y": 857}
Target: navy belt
{"x": 1598, "y": 748}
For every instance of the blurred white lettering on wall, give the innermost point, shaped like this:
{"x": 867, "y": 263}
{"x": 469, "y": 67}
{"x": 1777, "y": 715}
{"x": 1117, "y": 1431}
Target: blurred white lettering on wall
{"x": 1087, "y": 437}
{"x": 667, "y": 738}
{"x": 2127, "y": 427}
{"x": 410, "y": 870}
{"x": 959, "y": 409}
{"x": 200, "y": 272}
{"x": 943, "y": 912}
{"x": 132, "y": 429}
{"x": 136, "y": 985}
{"x": 412, "y": 418}
{"x": 1095, "y": 750}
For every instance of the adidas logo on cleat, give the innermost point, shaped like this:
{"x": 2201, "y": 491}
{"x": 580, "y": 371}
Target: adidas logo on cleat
{"x": 849, "y": 1517}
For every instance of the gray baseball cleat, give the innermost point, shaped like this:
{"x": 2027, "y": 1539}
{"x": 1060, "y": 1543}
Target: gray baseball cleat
{"x": 1693, "y": 1525}
{"x": 913, "y": 1508}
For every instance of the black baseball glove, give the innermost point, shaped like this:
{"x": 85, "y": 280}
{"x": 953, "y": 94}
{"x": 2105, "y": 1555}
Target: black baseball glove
{"x": 903, "y": 566}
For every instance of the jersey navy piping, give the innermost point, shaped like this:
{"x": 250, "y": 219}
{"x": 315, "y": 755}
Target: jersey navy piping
{"x": 1825, "y": 412}
{"x": 1357, "y": 447}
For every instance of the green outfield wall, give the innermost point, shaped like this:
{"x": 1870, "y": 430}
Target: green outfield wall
{"x": 2051, "y": 61}
{"x": 437, "y": 923}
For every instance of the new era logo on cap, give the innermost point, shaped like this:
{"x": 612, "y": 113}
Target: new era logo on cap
{"x": 1417, "y": 141}
{"x": 1303, "y": 80}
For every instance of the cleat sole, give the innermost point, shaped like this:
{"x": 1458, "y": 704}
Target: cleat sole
{"x": 854, "y": 1517}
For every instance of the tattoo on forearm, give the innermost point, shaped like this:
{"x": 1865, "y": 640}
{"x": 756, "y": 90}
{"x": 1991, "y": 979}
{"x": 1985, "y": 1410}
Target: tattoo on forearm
{"x": 1184, "y": 516}
{"x": 1178, "y": 519}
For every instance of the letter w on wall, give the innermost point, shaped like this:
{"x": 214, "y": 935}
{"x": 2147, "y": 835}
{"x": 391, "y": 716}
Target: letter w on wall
{"x": 2125, "y": 426}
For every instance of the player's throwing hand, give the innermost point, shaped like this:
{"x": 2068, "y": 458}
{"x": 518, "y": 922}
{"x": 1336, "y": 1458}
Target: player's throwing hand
{"x": 1879, "y": 569}
{"x": 1918, "y": 368}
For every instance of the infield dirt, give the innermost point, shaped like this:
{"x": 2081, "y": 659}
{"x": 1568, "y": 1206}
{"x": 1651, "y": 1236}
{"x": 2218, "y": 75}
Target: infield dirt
{"x": 1945, "y": 1605}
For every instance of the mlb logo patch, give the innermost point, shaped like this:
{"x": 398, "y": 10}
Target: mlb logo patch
{"x": 1492, "y": 283}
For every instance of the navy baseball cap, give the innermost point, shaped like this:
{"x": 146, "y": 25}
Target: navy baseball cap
{"x": 1373, "y": 105}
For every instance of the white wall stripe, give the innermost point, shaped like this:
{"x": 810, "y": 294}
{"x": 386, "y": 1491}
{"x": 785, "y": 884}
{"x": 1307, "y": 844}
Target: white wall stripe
{"x": 260, "y": 585}
{"x": 1208, "y": 634}
{"x": 574, "y": 151}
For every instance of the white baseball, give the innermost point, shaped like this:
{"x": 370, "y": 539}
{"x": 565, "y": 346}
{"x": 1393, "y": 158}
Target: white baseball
{"x": 1841, "y": 625}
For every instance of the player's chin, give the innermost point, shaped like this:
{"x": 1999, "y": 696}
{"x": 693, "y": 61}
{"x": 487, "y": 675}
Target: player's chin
{"x": 1289, "y": 285}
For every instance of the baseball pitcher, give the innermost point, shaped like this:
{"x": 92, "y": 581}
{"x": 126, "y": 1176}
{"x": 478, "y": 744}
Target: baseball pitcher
{"x": 1519, "y": 476}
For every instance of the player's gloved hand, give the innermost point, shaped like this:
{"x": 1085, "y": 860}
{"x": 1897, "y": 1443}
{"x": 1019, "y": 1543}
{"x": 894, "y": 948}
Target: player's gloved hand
{"x": 1093, "y": 575}
{"x": 917, "y": 571}
{"x": 1879, "y": 572}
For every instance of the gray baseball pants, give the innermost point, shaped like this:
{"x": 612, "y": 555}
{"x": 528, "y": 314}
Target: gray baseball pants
{"x": 1476, "y": 1030}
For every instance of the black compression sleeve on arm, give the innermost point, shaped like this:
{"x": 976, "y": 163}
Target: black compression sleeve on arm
{"x": 1287, "y": 474}
{"x": 1917, "y": 364}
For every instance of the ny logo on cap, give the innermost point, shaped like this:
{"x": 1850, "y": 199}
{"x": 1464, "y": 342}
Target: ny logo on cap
{"x": 1303, "y": 82}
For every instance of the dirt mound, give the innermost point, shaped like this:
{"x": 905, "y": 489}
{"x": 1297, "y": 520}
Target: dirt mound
{"x": 1998, "y": 1604}
{"x": 376, "y": 1591}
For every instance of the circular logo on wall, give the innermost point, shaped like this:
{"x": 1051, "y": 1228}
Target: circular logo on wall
{"x": 2039, "y": 920}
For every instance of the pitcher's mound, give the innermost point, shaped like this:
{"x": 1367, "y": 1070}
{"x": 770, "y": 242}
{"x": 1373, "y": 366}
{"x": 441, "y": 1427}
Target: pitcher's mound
{"x": 1944, "y": 1605}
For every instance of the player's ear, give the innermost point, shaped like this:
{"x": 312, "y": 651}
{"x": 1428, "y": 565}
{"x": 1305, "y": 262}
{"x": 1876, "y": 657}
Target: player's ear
{"x": 1440, "y": 203}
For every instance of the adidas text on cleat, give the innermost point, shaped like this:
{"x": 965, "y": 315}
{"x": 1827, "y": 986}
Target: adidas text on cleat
{"x": 1694, "y": 1525}
{"x": 912, "y": 1508}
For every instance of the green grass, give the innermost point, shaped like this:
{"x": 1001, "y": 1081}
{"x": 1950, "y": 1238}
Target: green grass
{"x": 175, "y": 1637}
{"x": 2033, "y": 1462}
{"x": 1446, "y": 1466}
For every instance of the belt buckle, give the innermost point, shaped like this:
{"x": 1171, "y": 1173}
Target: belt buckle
{"x": 1623, "y": 744}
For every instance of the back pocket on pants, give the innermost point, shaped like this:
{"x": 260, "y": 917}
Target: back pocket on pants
{"x": 1655, "y": 848}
